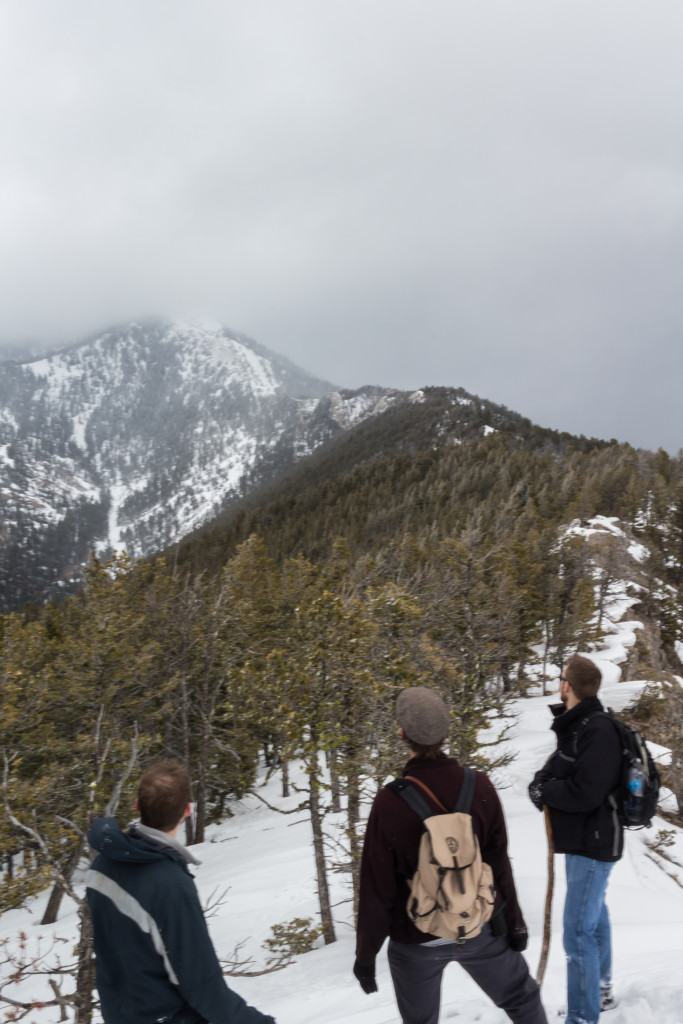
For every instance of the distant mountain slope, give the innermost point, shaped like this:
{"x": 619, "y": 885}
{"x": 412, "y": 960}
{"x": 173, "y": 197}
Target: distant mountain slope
{"x": 430, "y": 464}
{"x": 138, "y": 435}
{"x": 160, "y": 434}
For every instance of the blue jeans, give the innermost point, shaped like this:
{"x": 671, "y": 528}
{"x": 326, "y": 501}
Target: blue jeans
{"x": 587, "y": 937}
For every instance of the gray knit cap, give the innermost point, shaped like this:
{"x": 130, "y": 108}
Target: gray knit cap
{"x": 423, "y": 715}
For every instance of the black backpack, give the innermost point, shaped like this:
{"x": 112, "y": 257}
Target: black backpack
{"x": 637, "y": 794}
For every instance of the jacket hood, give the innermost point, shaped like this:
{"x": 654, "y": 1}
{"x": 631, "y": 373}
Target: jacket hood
{"x": 106, "y": 837}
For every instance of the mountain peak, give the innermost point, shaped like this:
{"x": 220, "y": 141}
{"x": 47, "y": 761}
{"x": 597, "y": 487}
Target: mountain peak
{"x": 138, "y": 434}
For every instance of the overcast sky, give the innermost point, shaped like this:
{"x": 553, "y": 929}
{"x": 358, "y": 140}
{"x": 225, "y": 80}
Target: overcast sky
{"x": 486, "y": 194}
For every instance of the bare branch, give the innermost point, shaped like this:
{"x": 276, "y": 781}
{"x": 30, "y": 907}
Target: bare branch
{"x": 223, "y": 747}
{"x": 215, "y": 901}
{"x": 278, "y": 966}
{"x": 62, "y": 1001}
{"x": 113, "y": 804}
{"x": 294, "y": 810}
{"x": 24, "y": 966}
{"x": 35, "y": 835}
{"x": 233, "y": 967}
{"x": 98, "y": 726}
{"x": 71, "y": 824}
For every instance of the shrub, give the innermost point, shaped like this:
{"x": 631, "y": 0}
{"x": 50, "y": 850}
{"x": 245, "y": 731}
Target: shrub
{"x": 291, "y": 939}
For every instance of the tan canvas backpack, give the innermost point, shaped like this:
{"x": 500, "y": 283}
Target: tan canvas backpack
{"x": 452, "y": 892}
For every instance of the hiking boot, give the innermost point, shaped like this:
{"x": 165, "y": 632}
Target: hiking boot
{"x": 607, "y": 1000}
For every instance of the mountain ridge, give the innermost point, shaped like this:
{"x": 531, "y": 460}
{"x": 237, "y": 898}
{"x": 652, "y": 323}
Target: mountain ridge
{"x": 143, "y": 435}
{"x": 138, "y": 434}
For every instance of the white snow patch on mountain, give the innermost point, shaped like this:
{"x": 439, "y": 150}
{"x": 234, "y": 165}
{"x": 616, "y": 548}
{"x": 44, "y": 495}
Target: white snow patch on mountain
{"x": 166, "y": 421}
{"x": 240, "y": 362}
{"x": 8, "y": 419}
{"x": 598, "y": 524}
{"x": 638, "y": 551}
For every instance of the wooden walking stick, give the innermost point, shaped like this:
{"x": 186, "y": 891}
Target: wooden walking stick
{"x": 548, "y": 899}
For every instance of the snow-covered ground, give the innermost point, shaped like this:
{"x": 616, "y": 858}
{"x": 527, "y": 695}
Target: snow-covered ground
{"x": 265, "y": 861}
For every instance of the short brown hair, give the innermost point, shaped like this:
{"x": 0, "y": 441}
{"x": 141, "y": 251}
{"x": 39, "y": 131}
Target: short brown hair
{"x": 583, "y": 675}
{"x": 422, "y": 749}
{"x": 163, "y": 794}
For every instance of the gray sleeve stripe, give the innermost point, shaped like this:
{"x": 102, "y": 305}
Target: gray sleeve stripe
{"x": 130, "y": 907}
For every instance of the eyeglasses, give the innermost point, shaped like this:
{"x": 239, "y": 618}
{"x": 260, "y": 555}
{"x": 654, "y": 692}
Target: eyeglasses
{"x": 563, "y": 679}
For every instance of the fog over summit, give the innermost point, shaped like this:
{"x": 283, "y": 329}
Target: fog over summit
{"x": 486, "y": 196}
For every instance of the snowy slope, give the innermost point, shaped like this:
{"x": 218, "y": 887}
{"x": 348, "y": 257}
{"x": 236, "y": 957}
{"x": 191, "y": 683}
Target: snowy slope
{"x": 139, "y": 435}
{"x": 143, "y": 402}
{"x": 266, "y": 860}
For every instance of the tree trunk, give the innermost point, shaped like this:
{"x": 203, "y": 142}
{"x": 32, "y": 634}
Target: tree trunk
{"x": 545, "y": 653}
{"x": 185, "y": 726}
{"x": 85, "y": 977}
{"x": 200, "y": 795}
{"x": 320, "y": 867}
{"x": 285, "y": 777}
{"x": 55, "y": 900}
{"x": 355, "y": 845}
{"x": 335, "y": 785}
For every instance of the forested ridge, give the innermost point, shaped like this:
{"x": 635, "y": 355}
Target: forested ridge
{"x": 433, "y": 544}
{"x": 432, "y": 469}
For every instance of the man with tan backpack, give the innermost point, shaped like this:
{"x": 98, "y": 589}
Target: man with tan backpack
{"x": 436, "y": 879}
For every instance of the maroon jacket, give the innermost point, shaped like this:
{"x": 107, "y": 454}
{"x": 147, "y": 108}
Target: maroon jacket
{"x": 391, "y": 847}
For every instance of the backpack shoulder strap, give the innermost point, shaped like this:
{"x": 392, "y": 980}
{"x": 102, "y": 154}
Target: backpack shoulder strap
{"x": 427, "y": 790}
{"x": 417, "y": 803}
{"x": 589, "y": 718}
{"x": 604, "y": 713}
{"x": 405, "y": 788}
{"x": 466, "y": 793}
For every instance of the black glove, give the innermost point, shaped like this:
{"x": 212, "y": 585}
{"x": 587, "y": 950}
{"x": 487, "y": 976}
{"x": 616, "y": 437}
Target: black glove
{"x": 518, "y": 940}
{"x": 536, "y": 788}
{"x": 536, "y": 794}
{"x": 366, "y": 977}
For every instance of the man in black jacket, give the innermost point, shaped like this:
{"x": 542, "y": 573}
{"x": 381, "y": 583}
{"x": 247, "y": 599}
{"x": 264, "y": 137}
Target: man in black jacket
{"x": 154, "y": 958}
{"x": 577, "y": 784}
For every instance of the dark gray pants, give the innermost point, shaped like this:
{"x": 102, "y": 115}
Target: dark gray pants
{"x": 503, "y": 975}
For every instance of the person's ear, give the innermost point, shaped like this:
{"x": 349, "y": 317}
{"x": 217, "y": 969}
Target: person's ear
{"x": 137, "y": 804}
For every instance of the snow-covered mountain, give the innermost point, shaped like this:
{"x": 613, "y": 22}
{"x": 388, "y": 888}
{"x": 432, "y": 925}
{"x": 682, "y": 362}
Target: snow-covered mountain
{"x": 138, "y": 435}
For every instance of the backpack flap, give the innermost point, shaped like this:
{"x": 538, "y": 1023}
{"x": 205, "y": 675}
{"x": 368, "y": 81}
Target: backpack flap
{"x": 454, "y": 844}
{"x": 451, "y": 893}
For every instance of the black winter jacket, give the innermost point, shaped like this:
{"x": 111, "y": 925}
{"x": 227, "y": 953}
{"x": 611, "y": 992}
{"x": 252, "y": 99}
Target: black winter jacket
{"x": 153, "y": 954}
{"x": 578, "y": 779}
